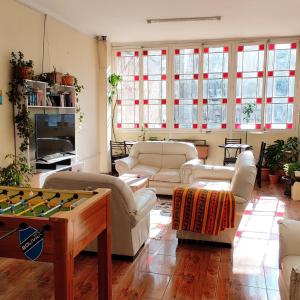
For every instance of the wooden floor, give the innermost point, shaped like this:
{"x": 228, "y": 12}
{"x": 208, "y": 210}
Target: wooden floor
{"x": 166, "y": 270}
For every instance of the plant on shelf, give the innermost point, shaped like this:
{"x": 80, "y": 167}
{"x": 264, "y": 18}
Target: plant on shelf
{"x": 248, "y": 110}
{"x": 18, "y": 91}
{"x": 68, "y": 79}
{"x": 274, "y": 159}
{"x": 17, "y": 173}
{"x": 24, "y": 68}
{"x": 113, "y": 81}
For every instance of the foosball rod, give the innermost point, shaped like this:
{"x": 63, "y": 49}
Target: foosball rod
{"x": 21, "y": 226}
{"x": 20, "y": 193}
{"x": 58, "y": 206}
{"x": 45, "y": 201}
{"x": 22, "y": 202}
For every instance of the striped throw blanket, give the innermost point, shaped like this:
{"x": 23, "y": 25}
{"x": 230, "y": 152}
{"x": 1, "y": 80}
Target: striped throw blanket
{"x": 203, "y": 211}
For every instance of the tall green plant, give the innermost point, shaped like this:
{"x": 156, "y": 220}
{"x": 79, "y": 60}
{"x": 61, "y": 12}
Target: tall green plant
{"x": 248, "y": 110}
{"x": 113, "y": 80}
{"x": 274, "y": 156}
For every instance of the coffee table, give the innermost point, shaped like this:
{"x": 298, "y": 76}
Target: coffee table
{"x": 135, "y": 181}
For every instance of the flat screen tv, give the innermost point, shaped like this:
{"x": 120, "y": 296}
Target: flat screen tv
{"x": 55, "y": 133}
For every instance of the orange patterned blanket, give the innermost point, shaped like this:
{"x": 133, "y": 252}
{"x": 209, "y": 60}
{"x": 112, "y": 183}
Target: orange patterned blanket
{"x": 202, "y": 211}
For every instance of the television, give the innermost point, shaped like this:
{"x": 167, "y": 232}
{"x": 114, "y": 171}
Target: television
{"x": 54, "y": 134}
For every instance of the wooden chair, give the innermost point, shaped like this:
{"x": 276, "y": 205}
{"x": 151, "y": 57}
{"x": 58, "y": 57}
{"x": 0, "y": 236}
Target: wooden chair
{"x": 117, "y": 151}
{"x": 260, "y": 163}
{"x": 229, "y": 157}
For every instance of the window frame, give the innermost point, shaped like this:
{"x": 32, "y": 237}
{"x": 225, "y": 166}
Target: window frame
{"x": 232, "y": 68}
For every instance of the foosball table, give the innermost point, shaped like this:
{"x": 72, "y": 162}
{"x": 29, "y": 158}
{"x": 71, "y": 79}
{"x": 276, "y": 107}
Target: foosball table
{"x": 55, "y": 226}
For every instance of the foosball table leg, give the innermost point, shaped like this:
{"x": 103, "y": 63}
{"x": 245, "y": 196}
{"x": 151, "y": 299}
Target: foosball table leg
{"x": 104, "y": 260}
{"x": 63, "y": 262}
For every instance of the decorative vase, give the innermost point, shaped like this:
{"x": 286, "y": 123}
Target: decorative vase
{"x": 265, "y": 174}
{"x": 68, "y": 80}
{"x": 273, "y": 178}
{"x": 26, "y": 72}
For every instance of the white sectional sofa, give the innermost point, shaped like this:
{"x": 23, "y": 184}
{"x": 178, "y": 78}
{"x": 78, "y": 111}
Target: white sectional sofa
{"x": 167, "y": 164}
{"x": 289, "y": 259}
{"x": 239, "y": 179}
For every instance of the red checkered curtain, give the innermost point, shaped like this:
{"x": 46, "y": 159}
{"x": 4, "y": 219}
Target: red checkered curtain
{"x": 215, "y": 88}
{"x": 280, "y": 89}
{"x": 155, "y": 88}
{"x": 186, "y": 77}
{"x": 127, "y": 65}
{"x": 249, "y": 86}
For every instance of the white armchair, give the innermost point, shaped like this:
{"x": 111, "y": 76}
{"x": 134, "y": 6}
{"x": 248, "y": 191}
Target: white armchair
{"x": 289, "y": 259}
{"x": 130, "y": 212}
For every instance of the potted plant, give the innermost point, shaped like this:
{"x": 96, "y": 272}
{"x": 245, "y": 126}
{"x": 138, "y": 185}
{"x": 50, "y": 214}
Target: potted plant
{"x": 68, "y": 79}
{"x": 113, "y": 81}
{"x": 274, "y": 159}
{"x": 23, "y": 67}
{"x": 248, "y": 110}
{"x": 17, "y": 173}
{"x": 289, "y": 178}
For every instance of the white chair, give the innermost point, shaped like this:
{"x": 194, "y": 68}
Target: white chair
{"x": 239, "y": 179}
{"x": 167, "y": 164}
{"x": 130, "y": 212}
{"x": 289, "y": 259}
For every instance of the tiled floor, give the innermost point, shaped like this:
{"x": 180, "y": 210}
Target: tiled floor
{"x": 166, "y": 270}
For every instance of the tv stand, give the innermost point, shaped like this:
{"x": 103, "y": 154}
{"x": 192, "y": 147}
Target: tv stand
{"x": 48, "y": 166}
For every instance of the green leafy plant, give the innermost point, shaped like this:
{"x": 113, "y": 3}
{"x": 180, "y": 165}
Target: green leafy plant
{"x": 291, "y": 150}
{"x": 248, "y": 110}
{"x": 274, "y": 156}
{"x": 17, "y": 173}
{"x": 18, "y": 91}
{"x": 78, "y": 90}
{"x": 143, "y": 134}
{"x": 113, "y": 80}
{"x": 290, "y": 168}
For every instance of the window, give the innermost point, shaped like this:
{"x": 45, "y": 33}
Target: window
{"x": 249, "y": 86}
{"x": 215, "y": 88}
{"x": 280, "y": 86}
{"x": 155, "y": 88}
{"x": 127, "y": 65}
{"x": 186, "y": 76}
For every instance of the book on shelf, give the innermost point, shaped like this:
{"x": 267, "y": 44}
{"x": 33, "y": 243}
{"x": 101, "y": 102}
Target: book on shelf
{"x": 35, "y": 97}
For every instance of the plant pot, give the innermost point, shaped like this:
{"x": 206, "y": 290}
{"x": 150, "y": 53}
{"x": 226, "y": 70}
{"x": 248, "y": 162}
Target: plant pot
{"x": 25, "y": 72}
{"x": 202, "y": 151}
{"x": 273, "y": 178}
{"x": 68, "y": 80}
{"x": 265, "y": 174}
{"x": 288, "y": 182}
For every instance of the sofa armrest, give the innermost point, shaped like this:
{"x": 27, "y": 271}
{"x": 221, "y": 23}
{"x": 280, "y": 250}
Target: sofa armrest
{"x": 186, "y": 169}
{"x": 213, "y": 172}
{"x": 145, "y": 199}
{"x": 123, "y": 165}
{"x": 289, "y": 238}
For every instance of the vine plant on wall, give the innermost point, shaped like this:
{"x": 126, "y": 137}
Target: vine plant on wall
{"x": 17, "y": 94}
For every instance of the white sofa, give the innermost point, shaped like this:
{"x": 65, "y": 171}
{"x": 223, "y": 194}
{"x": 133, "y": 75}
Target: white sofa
{"x": 289, "y": 259}
{"x": 130, "y": 212}
{"x": 167, "y": 164}
{"x": 239, "y": 179}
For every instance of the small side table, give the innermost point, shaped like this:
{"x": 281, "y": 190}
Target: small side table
{"x": 135, "y": 181}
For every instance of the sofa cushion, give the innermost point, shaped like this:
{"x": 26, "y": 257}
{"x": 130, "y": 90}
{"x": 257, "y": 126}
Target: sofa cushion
{"x": 144, "y": 170}
{"x": 287, "y": 264}
{"x": 213, "y": 172}
{"x": 167, "y": 175}
{"x": 150, "y": 159}
{"x": 173, "y": 161}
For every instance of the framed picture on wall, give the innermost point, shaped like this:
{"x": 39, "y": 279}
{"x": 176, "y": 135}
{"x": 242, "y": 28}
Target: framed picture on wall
{"x": 1, "y": 97}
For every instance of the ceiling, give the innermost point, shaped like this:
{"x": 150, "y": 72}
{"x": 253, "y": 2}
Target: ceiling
{"x": 125, "y": 20}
